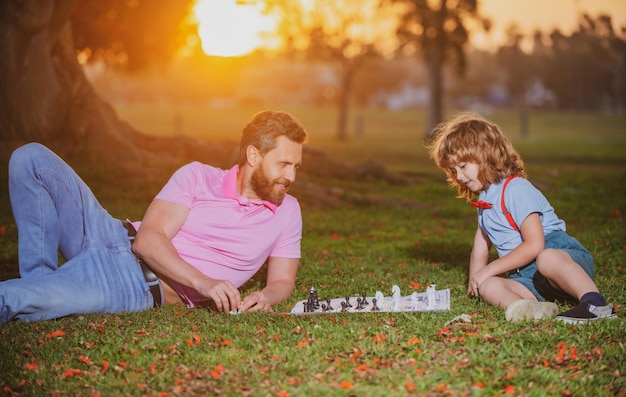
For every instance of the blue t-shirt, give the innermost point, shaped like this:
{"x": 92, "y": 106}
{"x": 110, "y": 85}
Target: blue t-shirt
{"x": 521, "y": 199}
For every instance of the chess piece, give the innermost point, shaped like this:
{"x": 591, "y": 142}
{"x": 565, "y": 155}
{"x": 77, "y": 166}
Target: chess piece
{"x": 324, "y": 309}
{"x": 430, "y": 293}
{"x": 380, "y": 298}
{"x": 348, "y": 302}
{"x": 343, "y": 306}
{"x": 313, "y": 298}
{"x": 374, "y": 307}
{"x": 359, "y": 304}
{"x": 364, "y": 301}
{"x": 306, "y": 307}
{"x": 396, "y": 298}
{"x": 328, "y": 305}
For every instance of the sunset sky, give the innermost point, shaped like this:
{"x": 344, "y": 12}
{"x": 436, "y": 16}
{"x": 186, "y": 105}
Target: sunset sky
{"x": 230, "y": 28}
{"x": 544, "y": 14}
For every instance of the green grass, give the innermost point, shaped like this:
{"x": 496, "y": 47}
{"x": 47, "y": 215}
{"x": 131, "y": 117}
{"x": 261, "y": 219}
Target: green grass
{"x": 410, "y": 235}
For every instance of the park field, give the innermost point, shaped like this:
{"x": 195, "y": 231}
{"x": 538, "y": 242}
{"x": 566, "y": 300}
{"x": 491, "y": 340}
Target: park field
{"x": 395, "y": 138}
{"x": 374, "y": 234}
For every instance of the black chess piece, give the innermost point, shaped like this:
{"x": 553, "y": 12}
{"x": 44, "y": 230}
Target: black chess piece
{"x": 328, "y": 305}
{"x": 324, "y": 309}
{"x": 375, "y": 308}
{"x": 314, "y": 302}
{"x": 343, "y": 306}
{"x": 359, "y": 304}
{"x": 364, "y": 300}
{"x": 348, "y": 302}
{"x": 306, "y": 307}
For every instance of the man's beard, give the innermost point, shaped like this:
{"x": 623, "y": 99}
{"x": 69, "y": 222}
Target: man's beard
{"x": 264, "y": 188}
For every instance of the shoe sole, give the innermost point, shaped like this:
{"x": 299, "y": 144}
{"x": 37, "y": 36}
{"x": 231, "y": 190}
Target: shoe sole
{"x": 572, "y": 320}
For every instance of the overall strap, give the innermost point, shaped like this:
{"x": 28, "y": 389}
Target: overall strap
{"x": 506, "y": 212}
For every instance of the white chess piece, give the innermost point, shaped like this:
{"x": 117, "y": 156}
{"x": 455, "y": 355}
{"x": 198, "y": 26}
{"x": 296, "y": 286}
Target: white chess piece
{"x": 430, "y": 294}
{"x": 395, "y": 290}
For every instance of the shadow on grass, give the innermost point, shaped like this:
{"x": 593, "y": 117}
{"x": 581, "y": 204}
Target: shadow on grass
{"x": 448, "y": 256}
{"x": 8, "y": 269}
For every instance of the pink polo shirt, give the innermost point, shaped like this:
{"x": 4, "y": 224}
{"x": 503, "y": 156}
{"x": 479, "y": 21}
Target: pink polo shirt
{"x": 226, "y": 236}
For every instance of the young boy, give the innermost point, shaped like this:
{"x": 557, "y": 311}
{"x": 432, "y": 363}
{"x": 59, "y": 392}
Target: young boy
{"x": 540, "y": 262}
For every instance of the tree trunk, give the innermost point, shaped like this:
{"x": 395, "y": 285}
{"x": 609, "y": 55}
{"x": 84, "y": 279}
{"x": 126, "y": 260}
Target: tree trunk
{"x": 46, "y": 97}
{"x": 35, "y": 91}
{"x": 435, "y": 58}
{"x": 435, "y": 111}
{"x": 347, "y": 75}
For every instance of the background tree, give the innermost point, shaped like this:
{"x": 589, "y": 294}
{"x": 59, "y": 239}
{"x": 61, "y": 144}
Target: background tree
{"x": 587, "y": 68}
{"x": 583, "y": 70}
{"x": 515, "y": 65}
{"x": 44, "y": 94}
{"x": 348, "y": 34}
{"x": 437, "y": 31}
{"x": 135, "y": 35}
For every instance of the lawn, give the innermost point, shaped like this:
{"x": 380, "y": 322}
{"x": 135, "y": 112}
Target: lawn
{"x": 410, "y": 234}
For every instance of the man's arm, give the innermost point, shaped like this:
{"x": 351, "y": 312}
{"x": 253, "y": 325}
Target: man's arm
{"x": 281, "y": 281}
{"x": 153, "y": 244}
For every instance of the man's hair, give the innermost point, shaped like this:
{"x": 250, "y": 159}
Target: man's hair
{"x": 265, "y": 128}
{"x": 469, "y": 137}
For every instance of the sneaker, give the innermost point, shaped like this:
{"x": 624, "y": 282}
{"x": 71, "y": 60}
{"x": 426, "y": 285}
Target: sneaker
{"x": 526, "y": 309}
{"x": 586, "y": 313}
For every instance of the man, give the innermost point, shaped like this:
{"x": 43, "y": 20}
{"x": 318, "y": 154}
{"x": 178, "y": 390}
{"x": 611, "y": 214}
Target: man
{"x": 205, "y": 234}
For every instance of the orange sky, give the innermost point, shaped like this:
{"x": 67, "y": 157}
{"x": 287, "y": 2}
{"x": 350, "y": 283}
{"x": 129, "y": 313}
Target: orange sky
{"x": 233, "y": 26}
{"x": 544, "y": 14}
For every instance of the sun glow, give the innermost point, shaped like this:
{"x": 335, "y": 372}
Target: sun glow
{"x": 231, "y": 27}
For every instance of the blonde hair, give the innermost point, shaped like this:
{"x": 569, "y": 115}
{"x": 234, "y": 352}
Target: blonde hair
{"x": 469, "y": 137}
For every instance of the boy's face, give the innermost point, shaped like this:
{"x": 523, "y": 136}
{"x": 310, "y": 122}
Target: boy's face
{"x": 467, "y": 174}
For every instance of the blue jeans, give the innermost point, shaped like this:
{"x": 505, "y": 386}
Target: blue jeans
{"x": 564, "y": 242}
{"x": 55, "y": 212}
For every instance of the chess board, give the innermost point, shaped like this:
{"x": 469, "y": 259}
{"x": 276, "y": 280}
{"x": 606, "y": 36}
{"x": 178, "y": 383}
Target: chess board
{"x": 430, "y": 300}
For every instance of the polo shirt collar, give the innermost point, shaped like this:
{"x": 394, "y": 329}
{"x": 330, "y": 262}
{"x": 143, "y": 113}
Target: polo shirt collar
{"x": 229, "y": 190}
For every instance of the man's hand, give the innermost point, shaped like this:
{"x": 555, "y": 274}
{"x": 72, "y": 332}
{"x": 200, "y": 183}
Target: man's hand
{"x": 256, "y": 301}
{"x": 222, "y": 292}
